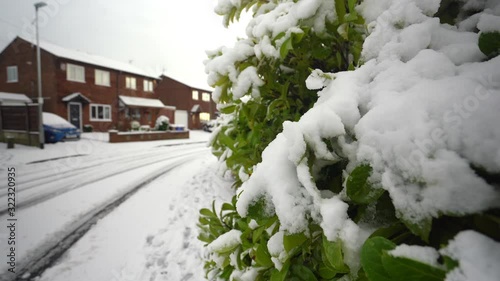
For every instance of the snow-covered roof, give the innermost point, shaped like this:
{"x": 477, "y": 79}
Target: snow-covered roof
{"x": 73, "y": 96}
{"x": 171, "y": 107}
{"x": 10, "y": 98}
{"x": 141, "y": 102}
{"x": 89, "y": 58}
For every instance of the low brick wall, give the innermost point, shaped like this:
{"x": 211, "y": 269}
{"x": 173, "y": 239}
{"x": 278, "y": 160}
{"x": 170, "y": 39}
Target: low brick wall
{"x": 115, "y": 136}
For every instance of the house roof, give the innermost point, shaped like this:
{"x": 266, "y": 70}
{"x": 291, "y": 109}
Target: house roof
{"x": 192, "y": 86}
{"x": 80, "y": 56}
{"x": 171, "y": 107}
{"x": 76, "y": 96}
{"x": 10, "y": 98}
{"x": 141, "y": 102}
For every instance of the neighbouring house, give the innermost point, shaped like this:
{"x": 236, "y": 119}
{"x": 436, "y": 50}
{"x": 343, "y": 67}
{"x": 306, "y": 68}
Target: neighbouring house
{"x": 194, "y": 106}
{"x": 85, "y": 89}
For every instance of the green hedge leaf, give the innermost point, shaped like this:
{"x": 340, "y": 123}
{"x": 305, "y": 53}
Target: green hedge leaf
{"x": 421, "y": 228}
{"x": 286, "y": 47}
{"x": 489, "y": 43}
{"x": 256, "y": 234}
{"x": 228, "y": 270}
{"x": 326, "y": 272}
{"x": 359, "y": 189}
{"x": 340, "y": 9}
{"x": 228, "y": 109}
{"x": 303, "y": 273}
{"x": 450, "y": 263}
{"x": 228, "y": 207}
{"x": 280, "y": 275}
{"x": 400, "y": 268}
{"x": 262, "y": 256}
{"x": 207, "y": 213}
{"x": 334, "y": 256}
{"x": 291, "y": 241}
{"x": 258, "y": 210}
{"x": 371, "y": 258}
{"x": 351, "y": 4}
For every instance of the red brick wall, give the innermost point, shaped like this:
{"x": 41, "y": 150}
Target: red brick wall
{"x": 114, "y": 136}
{"x": 56, "y": 86}
{"x": 175, "y": 93}
{"x": 172, "y": 92}
{"x": 23, "y": 55}
{"x": 107, "y": 95}
{"x": 170, "y": 113}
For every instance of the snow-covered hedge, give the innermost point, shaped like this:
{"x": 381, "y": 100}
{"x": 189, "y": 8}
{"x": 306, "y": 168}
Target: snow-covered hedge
{"x": 135, "y": 125}
{"x": 393, "y": 173}
{"x": 162, "y": 123}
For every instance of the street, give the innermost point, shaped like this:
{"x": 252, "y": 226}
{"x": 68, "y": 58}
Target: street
{"x": 92, "y": 210}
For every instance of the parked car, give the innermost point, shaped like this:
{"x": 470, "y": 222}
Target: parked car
{"x": 58, "y": 129}
{"x": 210, "y": 125}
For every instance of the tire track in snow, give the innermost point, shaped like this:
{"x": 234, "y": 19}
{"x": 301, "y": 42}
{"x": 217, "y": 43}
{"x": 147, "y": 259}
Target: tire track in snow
{"x": 49, "y": 253}
{"x": 45, "y": 175}
{"x": 83, "y": 177}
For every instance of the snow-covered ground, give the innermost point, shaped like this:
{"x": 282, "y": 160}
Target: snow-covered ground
{"x": 151, "y": 236}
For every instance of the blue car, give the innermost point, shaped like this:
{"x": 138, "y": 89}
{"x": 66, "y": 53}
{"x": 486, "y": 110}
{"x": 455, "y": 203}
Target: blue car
{"x": 58, "y": 129}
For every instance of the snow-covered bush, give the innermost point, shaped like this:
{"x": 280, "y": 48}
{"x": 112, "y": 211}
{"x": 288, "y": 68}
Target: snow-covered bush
{"x": 162, "y": 123}
{"x": 392, "y": 172}
{"x": 87, "y": 128}
{"x": 260, "y": 82}
{"x": 135, "y": 125}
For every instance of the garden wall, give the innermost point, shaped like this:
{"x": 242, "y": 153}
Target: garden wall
{"x": 115, "y": 136}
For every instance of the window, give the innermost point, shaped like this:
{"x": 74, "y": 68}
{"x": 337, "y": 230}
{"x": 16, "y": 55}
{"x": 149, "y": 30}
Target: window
{"x": 130, "y": 83}
{"x": 99, "y": 112}
{"x": 75, "y": 73}
{"x": 205, "y": 97}
{"x": 12, "y": 74}
{"x": 134, "y": 113}
{"x": 102, "y": 77}
{"x": 204, "y": 116}
{"x": 195, "y": 95}
{"x": 148, "y": 85}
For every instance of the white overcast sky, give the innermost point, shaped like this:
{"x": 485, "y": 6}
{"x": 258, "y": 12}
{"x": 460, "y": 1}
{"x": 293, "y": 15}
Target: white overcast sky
{"x": 169, "y": 35}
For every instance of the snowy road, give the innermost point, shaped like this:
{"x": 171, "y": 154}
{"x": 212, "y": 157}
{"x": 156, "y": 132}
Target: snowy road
{"x": 44, "y": 182}
{"x": 61, "y": 197}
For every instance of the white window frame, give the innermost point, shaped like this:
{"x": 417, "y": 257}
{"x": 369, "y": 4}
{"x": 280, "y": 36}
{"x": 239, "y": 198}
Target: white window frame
{"x": 95, "y": 105}
{"x": 147, "y": 85}
{"x": 195, "y": 95}
{"x": 73, "y": 68}
{"x": 131, "y": 83}
{"x": 99, "y": 75}
{"x": 203, "y": 115}
{"x": 205, "y": 97}
{"x": 12, "y": 70}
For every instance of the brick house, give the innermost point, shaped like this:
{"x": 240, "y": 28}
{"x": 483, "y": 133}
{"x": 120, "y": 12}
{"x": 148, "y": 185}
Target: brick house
{"x": 194, "y": 106}
{"x": 82, "y": 88}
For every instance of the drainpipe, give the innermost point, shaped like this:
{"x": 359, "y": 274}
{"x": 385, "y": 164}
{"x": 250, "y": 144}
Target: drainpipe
{"x": 117, "y": 99}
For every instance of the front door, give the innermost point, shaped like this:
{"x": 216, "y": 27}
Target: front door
{"x": 75, "y": 114}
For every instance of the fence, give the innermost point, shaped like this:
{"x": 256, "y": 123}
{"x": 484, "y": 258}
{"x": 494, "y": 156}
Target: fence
{"x": 20, "y": 123}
